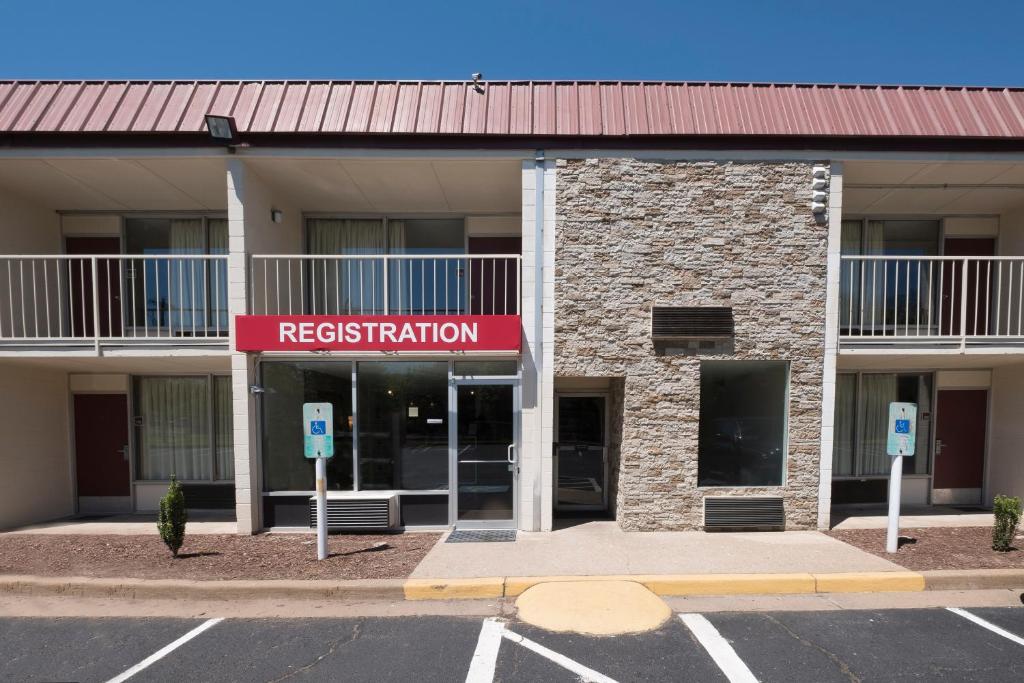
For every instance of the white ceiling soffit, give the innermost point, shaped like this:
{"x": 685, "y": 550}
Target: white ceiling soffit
{"x": 885, "y": 188}
{"x": 118, "y": 184}
{"x": 395, "y": 186}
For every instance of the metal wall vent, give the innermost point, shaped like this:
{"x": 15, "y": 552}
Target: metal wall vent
{"x": 737, "y": 513}
{"x": 357, "y": 513}
{"x": 691, "y": 322}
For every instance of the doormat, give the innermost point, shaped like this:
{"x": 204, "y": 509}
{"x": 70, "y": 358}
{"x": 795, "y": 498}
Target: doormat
{"x": 481, "y": 536}
{"x": 969, "y": 508}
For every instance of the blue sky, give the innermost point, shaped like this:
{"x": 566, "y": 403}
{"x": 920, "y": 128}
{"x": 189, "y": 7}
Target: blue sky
{"x": 850, "y": 41}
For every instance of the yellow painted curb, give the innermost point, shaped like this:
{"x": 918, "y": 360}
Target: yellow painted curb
{"x": 728, "y": 584}
{"x": 454, "y": 589}
{"x": 869, "y": 582}
{"x": 517, "y": 585}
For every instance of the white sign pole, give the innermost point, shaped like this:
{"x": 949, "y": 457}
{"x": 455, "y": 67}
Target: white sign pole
{"x": 318, "y": 444}
{"x": 892, "y": 536}
{"x": 321, "y": 508}
{"x": 899, "y": 442}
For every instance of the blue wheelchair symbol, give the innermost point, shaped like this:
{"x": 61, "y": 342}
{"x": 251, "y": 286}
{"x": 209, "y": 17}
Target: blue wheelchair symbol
{"x": 318, "y": 427}
{"x": 902, "y": 426}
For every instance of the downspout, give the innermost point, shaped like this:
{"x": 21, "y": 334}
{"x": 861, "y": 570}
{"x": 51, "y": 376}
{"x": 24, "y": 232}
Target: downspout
{"x": 538, "y": 319}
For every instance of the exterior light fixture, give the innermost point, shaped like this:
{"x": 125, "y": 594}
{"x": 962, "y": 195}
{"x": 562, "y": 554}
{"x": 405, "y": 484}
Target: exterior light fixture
{"x": 819, "y": 190}
{"x": 276, "y": 215}
{"x": 222, "y": 128}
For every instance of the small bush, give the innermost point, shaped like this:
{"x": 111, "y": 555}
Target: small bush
{"x": 172, "y": 518}
{"x": 1007, "y": 511}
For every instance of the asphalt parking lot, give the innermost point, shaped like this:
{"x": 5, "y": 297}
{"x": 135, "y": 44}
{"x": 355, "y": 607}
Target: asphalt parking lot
{"x": 848, "y": 645}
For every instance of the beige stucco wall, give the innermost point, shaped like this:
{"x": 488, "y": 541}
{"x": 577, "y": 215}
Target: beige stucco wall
{"x": 1005, "y": 473}
{"x": 631, "y": 234}
{"x": 35, "y": 456}
{"x": 27, "y": 228}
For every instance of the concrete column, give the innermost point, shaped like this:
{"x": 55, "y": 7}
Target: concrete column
{"x": 536, "y": 484}
{"x": 828, "y": 387}
{"x": 247, "y": 508}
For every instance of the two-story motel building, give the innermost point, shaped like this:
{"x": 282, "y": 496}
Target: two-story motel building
{"x": 683, "y": 305}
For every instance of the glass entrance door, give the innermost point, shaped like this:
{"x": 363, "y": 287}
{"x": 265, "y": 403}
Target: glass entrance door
{"x": 485, "y": 453}
{"x": 581, "y": 454}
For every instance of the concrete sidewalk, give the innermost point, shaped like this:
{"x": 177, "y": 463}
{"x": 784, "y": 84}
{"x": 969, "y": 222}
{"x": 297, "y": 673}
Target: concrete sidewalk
{"x": 603, "y": 549}
{"x": 130, "y": 525}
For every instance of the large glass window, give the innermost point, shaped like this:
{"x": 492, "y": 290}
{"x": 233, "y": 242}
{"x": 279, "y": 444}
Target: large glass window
{"x": 415, "y": 285}
{"x": 403, "y": 425}
{"x": 183, "y": 428}
{"x": 742, "y": 434}
{"x": 862, "y": 421}
{"x": 286, "y": 386}
{"x": 181, "y": 295}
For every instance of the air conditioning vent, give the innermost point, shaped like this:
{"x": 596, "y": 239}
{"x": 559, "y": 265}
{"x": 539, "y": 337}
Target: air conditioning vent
{"x": 738, "y": 513}
{"x": 358, "y": 511}
{"x": 691, "y": 322}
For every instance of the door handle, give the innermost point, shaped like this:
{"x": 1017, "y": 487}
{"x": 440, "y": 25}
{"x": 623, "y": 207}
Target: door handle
{"x": 123, "y": 450}
{"x": 508, "y": 454}
{"x": 938, "y": 446}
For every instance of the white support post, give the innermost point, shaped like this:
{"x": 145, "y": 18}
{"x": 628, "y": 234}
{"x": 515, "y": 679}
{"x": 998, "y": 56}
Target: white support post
{"x": 321, "y": 508}
{"x": 892, "y": 536}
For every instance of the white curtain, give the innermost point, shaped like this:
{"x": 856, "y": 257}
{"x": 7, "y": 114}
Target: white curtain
{"x": 849, "y": 277}
{"x": 843, "y": 444}
{"x": 222, "y": 428}
{"x": 350, "y": 286}
{"x": 877, "y": 392}
{"x": 175, "y": 430}
{"x": 185, "y": 277}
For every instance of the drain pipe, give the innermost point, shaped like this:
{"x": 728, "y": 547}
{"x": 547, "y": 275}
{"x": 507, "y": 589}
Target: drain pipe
{"x": 538, "y": 321}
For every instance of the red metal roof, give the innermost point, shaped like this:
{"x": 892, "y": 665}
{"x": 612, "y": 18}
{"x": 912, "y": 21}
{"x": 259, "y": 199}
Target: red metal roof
{"x": 551, "y": 108}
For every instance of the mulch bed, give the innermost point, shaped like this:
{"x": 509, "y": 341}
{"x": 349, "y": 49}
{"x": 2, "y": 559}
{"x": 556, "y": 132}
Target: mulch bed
{"x": 266, "y": 556}
{"x": 938, "y": 548}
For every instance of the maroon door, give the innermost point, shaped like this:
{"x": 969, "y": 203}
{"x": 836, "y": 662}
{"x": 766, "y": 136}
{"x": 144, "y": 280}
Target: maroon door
{"x": 960, "y": 441}
{"x": 492, "y": 284}
{"x": 80, "y": 292}
{"x": 979, "y": 278}
{"x": 101, "y": 445}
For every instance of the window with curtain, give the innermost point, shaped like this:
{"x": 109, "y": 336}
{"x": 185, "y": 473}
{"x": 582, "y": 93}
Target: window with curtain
{"x": 862, "y": 420}
{"x": 183, "y": 428}
{"x": 415, "y": 286}
{"x": 185, "y": 296}
{"x": 888, "y": 294}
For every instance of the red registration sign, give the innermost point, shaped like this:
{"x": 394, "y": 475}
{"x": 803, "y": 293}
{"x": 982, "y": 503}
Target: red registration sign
{"x": 377, "y": 333}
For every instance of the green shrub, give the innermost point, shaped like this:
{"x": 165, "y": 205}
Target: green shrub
{"x": 1007, "y": 511}
{"x": 172, "y": 518}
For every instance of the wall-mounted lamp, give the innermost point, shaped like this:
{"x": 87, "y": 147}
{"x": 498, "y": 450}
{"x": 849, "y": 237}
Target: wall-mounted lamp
{"x": 277, "y": 215}
{"x": 256, "y": 389}
{"x": 223, "y": 130}
{"x": 819, "y": 191}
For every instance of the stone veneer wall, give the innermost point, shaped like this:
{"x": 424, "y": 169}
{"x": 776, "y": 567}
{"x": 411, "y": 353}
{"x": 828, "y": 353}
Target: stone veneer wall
{"x": 631, "y": 234}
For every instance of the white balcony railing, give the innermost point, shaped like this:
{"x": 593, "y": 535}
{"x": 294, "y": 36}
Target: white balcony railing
{"x": 391, "y": 284}
{"x": 952, "y": 300}
{"x": 95, "y": 299}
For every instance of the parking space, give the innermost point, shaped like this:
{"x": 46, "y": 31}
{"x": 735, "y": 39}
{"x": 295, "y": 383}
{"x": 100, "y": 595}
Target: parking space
{"x": 81, "y": 649}
{"x": 729, "y": 646}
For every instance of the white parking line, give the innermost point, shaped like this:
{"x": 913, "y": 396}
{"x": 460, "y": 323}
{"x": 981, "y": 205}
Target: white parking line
{"x": 166, "y": 650}
{"x": 719, "y": 649}
{"x": 986, "y": 624}
{"x": 485, "y": 657}
{"x": 585, "y": 673}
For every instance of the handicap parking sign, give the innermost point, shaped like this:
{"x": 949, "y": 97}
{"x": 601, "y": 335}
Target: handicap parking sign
{"x": 318, "y": 430}
{"x": 901, "y": 437}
